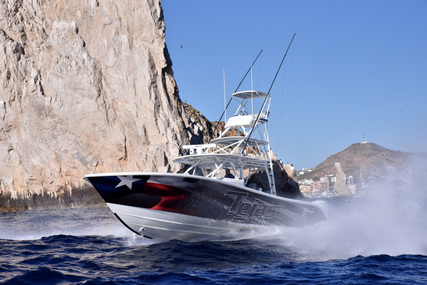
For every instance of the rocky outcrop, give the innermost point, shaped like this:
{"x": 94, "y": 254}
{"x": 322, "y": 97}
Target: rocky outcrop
{"x": 284, "y": 175}
{"x": 203, "y": 129}
{"x": 85, "y": 86}
{"x": 341, "y": 186}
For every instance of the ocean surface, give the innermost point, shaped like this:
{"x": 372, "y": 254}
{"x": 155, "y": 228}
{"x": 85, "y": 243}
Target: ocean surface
{"x": 379, "y": 237}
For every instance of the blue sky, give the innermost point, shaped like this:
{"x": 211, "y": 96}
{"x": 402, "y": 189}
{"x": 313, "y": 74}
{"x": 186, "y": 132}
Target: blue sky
{"x": 354, "y": 68}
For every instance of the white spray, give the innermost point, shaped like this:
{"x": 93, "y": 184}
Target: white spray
{"x": 390, "y": 219}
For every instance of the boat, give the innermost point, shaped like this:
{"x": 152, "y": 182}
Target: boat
{"x": 215, "y": 195}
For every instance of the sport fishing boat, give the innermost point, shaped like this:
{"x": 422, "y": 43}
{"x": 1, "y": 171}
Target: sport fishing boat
{"x": 216, "y": 194}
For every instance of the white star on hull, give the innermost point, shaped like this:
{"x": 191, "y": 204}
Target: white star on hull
{"x": 127, "y": 180}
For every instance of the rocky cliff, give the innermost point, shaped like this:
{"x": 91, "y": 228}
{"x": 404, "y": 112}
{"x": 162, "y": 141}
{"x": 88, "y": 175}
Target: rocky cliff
{"x": 85, "y": 86}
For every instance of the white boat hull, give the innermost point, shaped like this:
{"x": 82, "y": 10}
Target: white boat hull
{"x": 164, "y": 225}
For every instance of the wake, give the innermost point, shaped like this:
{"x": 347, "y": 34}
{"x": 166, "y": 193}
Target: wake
{"x": 390, "y": 219}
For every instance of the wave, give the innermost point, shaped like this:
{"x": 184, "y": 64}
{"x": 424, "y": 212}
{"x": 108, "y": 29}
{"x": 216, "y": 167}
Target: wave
{"x": 390, "y": 219}
{"x": 63, "y": 259}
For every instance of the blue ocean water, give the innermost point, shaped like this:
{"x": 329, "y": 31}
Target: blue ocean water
{"x": 379, "y": 237}
{"x": 88, "y": 246}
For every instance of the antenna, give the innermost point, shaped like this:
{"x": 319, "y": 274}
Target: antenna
{"x": 225, "y": 108}
{"x": 280, "y": 66}
{"x": 268, "y": 95}
{"x": 252, "y": 88}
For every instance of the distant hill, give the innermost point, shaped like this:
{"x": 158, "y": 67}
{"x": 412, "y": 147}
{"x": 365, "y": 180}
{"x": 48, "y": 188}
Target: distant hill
{"x": 363, "y": 160}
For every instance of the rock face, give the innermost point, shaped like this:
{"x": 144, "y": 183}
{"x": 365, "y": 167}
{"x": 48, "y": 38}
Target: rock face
{"x": 85, "y": 86}
{"x": 340, "y": 185}
{"x": 203, "y": 129}
{"x": 283, "y": 177}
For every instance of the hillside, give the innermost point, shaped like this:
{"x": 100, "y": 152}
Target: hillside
{"x": 362, "y": 160}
